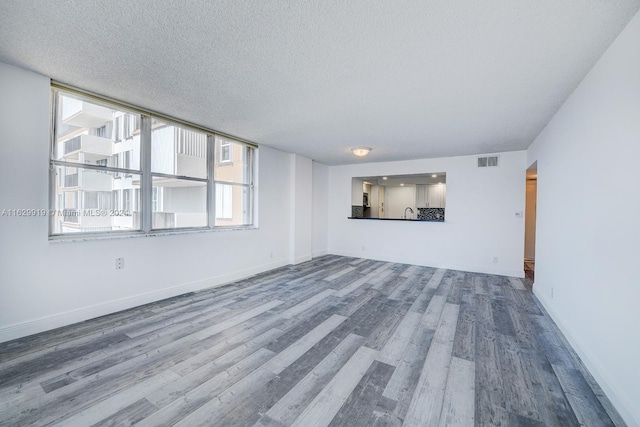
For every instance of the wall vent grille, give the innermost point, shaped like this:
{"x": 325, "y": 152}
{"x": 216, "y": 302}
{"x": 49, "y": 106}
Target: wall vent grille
{"x": 488, "y": 162}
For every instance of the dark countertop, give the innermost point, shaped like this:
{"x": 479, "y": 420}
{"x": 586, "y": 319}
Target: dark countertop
{"x": 400, "y": 219}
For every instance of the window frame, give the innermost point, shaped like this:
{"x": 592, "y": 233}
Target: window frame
{"x": 145, "y": 189}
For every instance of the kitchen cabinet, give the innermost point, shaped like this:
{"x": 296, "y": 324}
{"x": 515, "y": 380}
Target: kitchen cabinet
{"x": 430, "y": 196}
{"x": 421, "y": 196}
{"x": 435, "y": 196}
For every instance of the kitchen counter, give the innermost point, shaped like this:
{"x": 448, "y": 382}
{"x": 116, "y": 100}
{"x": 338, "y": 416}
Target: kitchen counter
{"x": 399, "y": 219}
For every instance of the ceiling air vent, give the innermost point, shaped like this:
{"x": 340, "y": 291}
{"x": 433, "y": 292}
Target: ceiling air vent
{"x": 488, "y": 162}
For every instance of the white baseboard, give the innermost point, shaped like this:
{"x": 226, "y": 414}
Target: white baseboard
{"x": 594, "y": 367}
{"x": 30, "y": 327}
{"x": 301, "y": 259}
{"x": 318, "y": 254}
{"x": 499, "y": 271}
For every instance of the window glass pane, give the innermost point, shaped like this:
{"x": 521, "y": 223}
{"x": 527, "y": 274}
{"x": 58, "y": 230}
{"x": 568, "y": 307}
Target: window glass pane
{"x": 92, "y": 201}
{"x": 91, "y": 133}
{"x": 178, "y": 151}
{"x": 233, "y": 161}
{"x": 178, "y": 203}
{"x": 224, "y": 201}
{"x": 233, "y": 205}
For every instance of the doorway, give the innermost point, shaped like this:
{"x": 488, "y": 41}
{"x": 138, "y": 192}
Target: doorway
{"x": 530, "y": 222}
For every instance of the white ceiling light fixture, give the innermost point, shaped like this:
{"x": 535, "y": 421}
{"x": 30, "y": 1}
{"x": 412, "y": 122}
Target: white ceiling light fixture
{"x": 361, "y": 151}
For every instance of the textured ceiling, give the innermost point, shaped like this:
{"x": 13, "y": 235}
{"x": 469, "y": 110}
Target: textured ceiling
{"x": 412, "y": 79}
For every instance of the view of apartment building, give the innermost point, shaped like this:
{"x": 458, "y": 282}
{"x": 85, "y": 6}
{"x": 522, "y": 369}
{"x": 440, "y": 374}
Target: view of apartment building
{"x": 91, "y": 137}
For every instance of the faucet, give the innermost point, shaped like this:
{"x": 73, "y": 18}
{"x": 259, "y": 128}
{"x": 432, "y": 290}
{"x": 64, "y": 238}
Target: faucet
{"x": 405, "y": 211}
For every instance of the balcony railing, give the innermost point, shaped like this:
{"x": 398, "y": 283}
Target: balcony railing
{"x": 159, "y": 220}
{"x": 71, "y": 180}
{"x": 164, "y": 220}
{"x": 88, "y": 144}
{"x": 71, "y": 216}
{"x": 73, "y": 144}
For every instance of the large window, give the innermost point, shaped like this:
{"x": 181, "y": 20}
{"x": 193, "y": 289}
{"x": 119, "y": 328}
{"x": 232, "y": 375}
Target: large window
{"x": 115, "y": 169}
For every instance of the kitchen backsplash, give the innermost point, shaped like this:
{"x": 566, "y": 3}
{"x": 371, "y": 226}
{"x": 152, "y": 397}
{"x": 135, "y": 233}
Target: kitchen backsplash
{"x": 432, "y": 214}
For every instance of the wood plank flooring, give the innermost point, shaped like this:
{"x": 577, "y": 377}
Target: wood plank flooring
{"x": 335, "y": 341}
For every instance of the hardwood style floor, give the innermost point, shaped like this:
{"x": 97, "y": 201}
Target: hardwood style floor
{"x": 336, "y": 341}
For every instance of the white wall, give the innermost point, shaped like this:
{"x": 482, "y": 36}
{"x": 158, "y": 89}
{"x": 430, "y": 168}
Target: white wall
{"x": 588, "y": 220}
{"x": 480, "y": 217}
{"x": 301, "y": 209}
{"x": 356, "y": 192}
{"x": 45, "y": 285}
{"x": 320, "y": 209}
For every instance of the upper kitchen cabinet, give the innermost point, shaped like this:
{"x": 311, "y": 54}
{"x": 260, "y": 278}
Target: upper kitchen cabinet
{"x": 431, "y": 196}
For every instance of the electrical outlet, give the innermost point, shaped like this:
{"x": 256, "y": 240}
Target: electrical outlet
{"x": 552, "y": 292}
{"x": 495, "y": 259}
{"x": 271, "y": 255}
{"x": 119, "y": 263}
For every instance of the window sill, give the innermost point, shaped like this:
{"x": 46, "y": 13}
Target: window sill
{"x": 399, "y": 219}
{"x": 86, "y": 237}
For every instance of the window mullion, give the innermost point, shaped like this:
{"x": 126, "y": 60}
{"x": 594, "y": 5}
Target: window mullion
{"x": 183, "y": 177}
{"x": 146, "y": 179}
{"x": 94, "y": 167}
{"x": 211, "y": 187}
{"x": 52, "y": 155}
{"x": 252, "y": 192}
